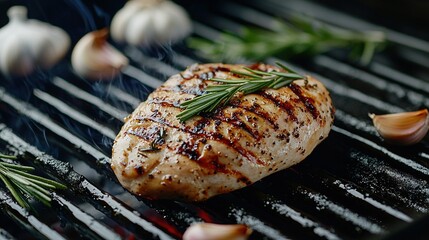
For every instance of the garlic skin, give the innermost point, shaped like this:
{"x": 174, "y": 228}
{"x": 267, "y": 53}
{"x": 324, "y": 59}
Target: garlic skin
{"x": 94, "y": 58}
{"x": 28, "y": 43}
{"x": 148, "y": 22}
{"x": 405, "y": 128}
{"x": 211, "y": 231}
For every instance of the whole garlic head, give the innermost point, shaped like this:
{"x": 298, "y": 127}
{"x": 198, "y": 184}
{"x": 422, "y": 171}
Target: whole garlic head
{"x": 94, "y": 58}
{"x": 405, "y": 128}
{"x": 27, "y": 44}
{"x": 147, "y": 22}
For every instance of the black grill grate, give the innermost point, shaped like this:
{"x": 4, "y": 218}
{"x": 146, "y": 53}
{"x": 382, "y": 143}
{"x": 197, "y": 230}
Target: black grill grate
{"x": 352, "y": 186}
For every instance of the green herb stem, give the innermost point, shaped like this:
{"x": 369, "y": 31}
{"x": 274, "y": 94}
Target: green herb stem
{"x": 302, "y": 37}
{"x": 24, "y": 185}
{"x": 220, "y": 94}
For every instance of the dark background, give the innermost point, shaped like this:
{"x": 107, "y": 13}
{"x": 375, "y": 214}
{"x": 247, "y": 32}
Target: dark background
{"x": 78, "y": 17}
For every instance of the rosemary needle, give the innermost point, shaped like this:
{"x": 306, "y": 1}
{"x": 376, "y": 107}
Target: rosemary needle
{"x": 302, "y": 37}
{"x": 23, "y": 184}
{"x": 220, "y": 94}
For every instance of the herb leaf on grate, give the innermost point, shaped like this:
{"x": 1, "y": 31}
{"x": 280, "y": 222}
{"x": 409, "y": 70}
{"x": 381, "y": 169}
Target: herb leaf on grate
{"x": 301, "y": 37}
{"x": 220, "y": 94}
{"x": 23, "y": 184}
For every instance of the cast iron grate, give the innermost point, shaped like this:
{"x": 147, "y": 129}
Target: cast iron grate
{"x": 352, "y": 186}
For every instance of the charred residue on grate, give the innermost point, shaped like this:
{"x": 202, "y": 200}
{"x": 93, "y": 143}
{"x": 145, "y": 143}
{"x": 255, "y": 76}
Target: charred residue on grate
{"x": 353, "y": 185}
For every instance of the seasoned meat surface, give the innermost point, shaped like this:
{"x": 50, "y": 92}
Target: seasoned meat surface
{"x": 158, "y": 157}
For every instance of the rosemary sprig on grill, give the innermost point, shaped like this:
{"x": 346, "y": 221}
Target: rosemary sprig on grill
{"x": 220, "y": 94}
{"x": 24, "y": 185}
{"x": 301, "y": 37}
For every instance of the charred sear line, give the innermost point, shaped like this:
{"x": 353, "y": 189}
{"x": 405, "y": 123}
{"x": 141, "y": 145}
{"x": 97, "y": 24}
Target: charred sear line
{"x": 189, "y": 149}
{"x": 165, "y": 102}
{"x": 308, "y": 102}
{"x": 211, "y": 162}
{"x": 144, "y": 133}
{"x": 199, "y": 131}
{"x": 187, "y": 75}
{"x": 182, "y": 89}
{"x": 286, "y": 106}
{"x": 154, "y": 135}
{"x": 235, "y": 121}
{"x": 257, "y": 110}
{"x": 220, "y": 69}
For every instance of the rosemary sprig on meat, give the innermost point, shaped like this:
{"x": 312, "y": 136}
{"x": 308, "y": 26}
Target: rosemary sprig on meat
{"x": 154, "y": 144}
{"x": 302, "y": 37}
{"x": 24, "y": 185}
{"x": 220, "y": 94}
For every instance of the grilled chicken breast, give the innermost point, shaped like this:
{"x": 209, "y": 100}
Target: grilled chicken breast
{"x": 157, "y": 156}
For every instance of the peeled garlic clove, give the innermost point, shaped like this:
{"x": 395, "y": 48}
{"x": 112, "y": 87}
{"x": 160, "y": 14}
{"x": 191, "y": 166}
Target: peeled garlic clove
{"x": 211, "y": 231}
{"x": 27, "y": 44}
{"x": 94, "y": 58}
{"x": 402, "y": 128}
{"x": 148, "y": 22}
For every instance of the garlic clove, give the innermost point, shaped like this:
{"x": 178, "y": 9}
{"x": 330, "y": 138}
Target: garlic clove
{"x": 148, "y": 22}
{"x": 122, "y": 19}
{"x": 211, "y": 231}
{"x": 141, "y": 30}
{"x": 94, "y": 58}
{"x": 54, "y": 51}
{"x": 180, "y": 24}
{"x": 27, "y": 44}
{"x": 13, "y": 62}
{"x": 405, "y": 128}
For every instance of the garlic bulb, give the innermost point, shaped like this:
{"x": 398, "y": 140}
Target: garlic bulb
{"x": 211, "y": 231}
{"x": 147, "y": 22}
{"x": 94, "y": 58}
{"x": 27, "y": 44}
{"x": 405, "y": 128}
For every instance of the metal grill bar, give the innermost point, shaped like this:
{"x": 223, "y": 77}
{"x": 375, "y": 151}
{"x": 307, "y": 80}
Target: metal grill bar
{"x": 4, "y": 235}
{"x": 21, "y": 216}
{"x": 348, "y": 92}
{"x": 87, "y": 97}
{"x": 354, "y": 194}
{"x": 340, "y": 19}
{"x": 101, "y": 165}
{"x": 79, "y": 184}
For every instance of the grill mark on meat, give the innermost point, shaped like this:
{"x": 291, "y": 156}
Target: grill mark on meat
{"x": 164, "y": 102}
{"x": 256, "y": 66}
{"x": 236, "y": 104}
{"x": 187, "y": 76}
{"x": 197, "y": 91}
{"x": 189, "y": 149}
{"x": 210, "y": 162}
{"x": 286, "y": 106}
{"x": 220, "y": 69}
{"x": 214, "y": 143}
{"x": 234, "y": 120}
{"x": 255, "y": 110}
{"x": 212, "y": 136}
{"x": 308, "y": 102}
{"x": 144, "y": 133}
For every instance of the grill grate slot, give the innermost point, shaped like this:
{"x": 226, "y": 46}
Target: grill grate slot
{"x": 27, "y": 221}
{"x": 79, "y": 184}
{"x": 365, "y": 189}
